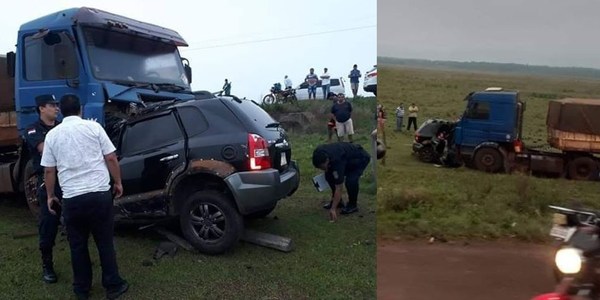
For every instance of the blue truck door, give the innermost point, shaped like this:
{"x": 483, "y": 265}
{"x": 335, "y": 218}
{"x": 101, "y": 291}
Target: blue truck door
{"x": 47, "y": 64}
{"x": 475, "y": 124}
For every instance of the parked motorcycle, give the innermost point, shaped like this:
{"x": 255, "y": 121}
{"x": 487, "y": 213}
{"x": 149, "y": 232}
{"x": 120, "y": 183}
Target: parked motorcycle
{"x": 278, "y": 95}
{"x": 577, "y": 260}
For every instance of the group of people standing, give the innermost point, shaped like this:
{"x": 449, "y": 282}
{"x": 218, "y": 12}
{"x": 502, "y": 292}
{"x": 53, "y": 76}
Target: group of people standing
{"x": 312, "y": 80}
{"x": 74, "y": 162}
{"x": 413, "y": 111}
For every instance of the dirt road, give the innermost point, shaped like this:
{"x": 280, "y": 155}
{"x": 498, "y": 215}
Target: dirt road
{"x": 490, "y": 270}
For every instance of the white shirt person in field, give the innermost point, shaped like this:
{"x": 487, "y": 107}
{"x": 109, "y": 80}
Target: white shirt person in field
{"x": 83, "y": 155}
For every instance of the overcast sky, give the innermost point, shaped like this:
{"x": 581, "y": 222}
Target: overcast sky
{"x": 544, "y": 32}
{"x": 211, "y": 27}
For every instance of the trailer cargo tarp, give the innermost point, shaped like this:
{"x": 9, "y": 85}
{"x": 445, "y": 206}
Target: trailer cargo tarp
{"x": 7, "y": 88}
{"x": 574, "y": 115}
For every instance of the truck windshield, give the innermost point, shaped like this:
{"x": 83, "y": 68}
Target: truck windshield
{"x": 125, "y": 57}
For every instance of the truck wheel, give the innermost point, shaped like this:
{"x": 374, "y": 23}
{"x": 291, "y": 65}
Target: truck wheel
{"x": 583, "y": 168}
{"x": 210, "y": 222}
{"x": 488, "y": 160}
{"x": 426, "y": 154}
{"x": 261, "y": 214}
{"x": 30, "y": 189}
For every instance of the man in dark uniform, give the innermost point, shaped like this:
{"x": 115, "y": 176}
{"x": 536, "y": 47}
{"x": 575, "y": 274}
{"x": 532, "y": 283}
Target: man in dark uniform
{"x": 342, "y": 163}
{"x": 47, "y": 108}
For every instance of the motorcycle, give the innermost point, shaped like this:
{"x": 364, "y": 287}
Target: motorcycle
{"x": 278, "y": 95}
{"x": 577, "y": 260}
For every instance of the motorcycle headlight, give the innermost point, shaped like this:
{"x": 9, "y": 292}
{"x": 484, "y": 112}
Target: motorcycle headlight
{"x": 569, "y": 260}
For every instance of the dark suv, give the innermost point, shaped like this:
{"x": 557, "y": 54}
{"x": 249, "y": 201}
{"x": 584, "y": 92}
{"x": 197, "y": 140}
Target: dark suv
{"x": 422, "y": 145}
{"x": 209, "y": 162}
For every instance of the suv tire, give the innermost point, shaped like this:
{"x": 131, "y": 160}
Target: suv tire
{"x": 210, "y": 222}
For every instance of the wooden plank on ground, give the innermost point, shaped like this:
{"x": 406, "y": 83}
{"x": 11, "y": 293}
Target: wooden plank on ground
{"x": 268, "y": 240}
{"x": 175, "y": 239}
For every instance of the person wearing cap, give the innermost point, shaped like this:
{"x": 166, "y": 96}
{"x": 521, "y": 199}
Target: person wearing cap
{"x": 35, "y": 134}
{"x": 341, "y": 111}
{"x": 343, "y": 163}
{"x": 85, "y": 158}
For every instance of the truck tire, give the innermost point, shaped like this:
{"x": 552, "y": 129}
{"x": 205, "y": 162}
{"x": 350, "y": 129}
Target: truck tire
{"x": 583, "y": 168}
{"x": 30, "y": 190}
{"x": 210, "y": 222}
{"x": 488, "y": 160}
{"x": 261, "y": 214}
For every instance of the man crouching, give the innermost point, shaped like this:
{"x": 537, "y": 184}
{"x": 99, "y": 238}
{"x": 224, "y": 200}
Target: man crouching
{"x": 342, "y": 163}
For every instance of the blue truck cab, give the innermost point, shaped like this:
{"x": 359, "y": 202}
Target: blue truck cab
{"x": 490, "y": 130}
{"x": 114, "y": 64}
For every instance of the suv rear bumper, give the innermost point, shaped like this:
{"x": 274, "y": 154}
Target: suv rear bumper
{"x": 259, "y": 190}
{"x": 370, "y": 88}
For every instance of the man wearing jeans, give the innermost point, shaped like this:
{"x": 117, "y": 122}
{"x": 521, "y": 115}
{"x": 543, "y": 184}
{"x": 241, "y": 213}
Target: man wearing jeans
{"x": 83, "y": 155}
{"x": 312, "y": 80}
{"x": 325, "y": 83}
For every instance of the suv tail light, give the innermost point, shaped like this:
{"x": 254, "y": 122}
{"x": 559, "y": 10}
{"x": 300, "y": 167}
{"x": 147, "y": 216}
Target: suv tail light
{"x": 518, "y": 146}
{"x": 258, "y": 152}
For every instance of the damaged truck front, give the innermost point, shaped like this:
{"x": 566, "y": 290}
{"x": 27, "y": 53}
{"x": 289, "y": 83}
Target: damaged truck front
{"x": 130, "y": 78}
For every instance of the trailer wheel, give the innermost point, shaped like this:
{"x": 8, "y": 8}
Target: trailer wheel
{"x": 488, "y": 160}
{"x": 583, "y": 168}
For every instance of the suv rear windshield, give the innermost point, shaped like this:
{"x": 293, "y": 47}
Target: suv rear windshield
{"x": 430, "y": 128}
{"x": 253, "y": 113}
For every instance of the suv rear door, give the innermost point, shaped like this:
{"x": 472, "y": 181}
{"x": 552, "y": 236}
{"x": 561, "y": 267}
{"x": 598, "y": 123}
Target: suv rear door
{"x": 258, "y": 121}
{"x": 149, "y": 151}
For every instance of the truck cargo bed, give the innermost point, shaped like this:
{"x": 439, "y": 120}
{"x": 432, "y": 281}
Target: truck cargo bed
{"x": 9, "y": 135}
{"x": 574, "y": 125}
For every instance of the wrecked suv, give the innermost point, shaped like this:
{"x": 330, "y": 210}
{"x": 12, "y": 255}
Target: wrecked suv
{"x": 209, "y": 163}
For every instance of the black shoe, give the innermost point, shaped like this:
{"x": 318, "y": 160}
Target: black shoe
{"x": 328, "y": 205}
{"x": 82, "y": 296}
{"x": 116, "y": 293}
{"x": 48, "y": 274}
{"x": 349, "y": 210}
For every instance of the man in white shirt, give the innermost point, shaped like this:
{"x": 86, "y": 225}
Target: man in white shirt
{"x": 83, "y": 155}
{"x": 399, "y": 117}
{"x": 325, "y": 83}
{"x": 287, "y": 82}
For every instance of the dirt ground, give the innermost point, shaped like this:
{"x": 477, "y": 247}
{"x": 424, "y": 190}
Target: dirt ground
{"x": 452, "y": 271}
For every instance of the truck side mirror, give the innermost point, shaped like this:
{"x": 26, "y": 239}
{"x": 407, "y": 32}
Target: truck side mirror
{"x": 187, "y": 69}
{"x": 11, "y": 59}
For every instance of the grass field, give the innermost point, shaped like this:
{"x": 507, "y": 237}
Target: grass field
{"x": 419, "y": 200}
{"x": 330, "y": 260}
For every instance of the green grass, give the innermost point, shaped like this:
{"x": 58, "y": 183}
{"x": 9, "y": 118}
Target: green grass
{"x": 330, "y": 260}
{"x": 417, "y": 199}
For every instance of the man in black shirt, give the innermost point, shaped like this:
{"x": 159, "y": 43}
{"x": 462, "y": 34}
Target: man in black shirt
{"x": 341, "y": 111}
{"x": 342, "y": 163}
{"x": 47, "y": 107}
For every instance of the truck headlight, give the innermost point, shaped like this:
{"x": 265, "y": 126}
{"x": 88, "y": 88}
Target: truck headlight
{"x": 569, "y": 260}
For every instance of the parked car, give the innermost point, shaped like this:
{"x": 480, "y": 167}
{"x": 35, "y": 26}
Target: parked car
{"x": 208, "y": 163}
{"x": 336, "y": 86}
{"x": 422, "y": 145}
{"x": 370, "y": 83}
